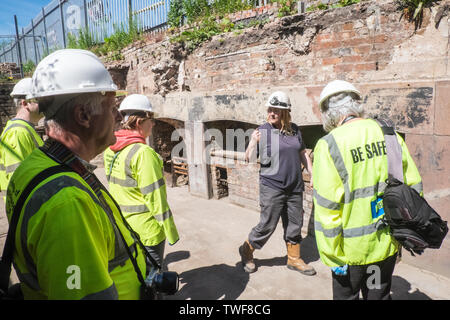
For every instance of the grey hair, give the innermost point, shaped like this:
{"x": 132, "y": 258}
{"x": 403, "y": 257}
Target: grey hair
{"x": 17, "y": 103}
{"x": 339, "y": 106}
{"x": 58, "y": 121}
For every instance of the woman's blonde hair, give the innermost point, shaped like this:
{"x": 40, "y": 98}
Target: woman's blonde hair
{"x": 131, "y": 122}
{"x": 285, "y": 117}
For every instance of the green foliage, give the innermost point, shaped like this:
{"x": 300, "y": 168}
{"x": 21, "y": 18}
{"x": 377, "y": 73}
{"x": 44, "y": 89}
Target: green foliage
{"x": 197, "y": 10}
{"x": 175, "y": 15}
{"x": 222, "y": 7}
{"x": 111, "y": 46}
{"x": 28, "y": 68}
{"x": 339, "y": 4}
{"x": 195, "y": 36}
{"x": 208, "y": 19}
{"x": 414, "y": 9}
{"x": 194, "y": 9}
{"x": 83, "y": 41}
{"x": 287, "y": 8}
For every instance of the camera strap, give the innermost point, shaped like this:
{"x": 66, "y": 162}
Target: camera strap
{"x": 8, "y": 251}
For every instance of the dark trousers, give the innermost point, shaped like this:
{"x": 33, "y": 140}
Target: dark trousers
{"x": 373, "y": 280}
{"x": 275, "y": 204}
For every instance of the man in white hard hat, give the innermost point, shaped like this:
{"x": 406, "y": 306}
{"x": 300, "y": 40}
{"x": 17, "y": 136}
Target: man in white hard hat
{"x": 19, "y": 136}
{"x": 350, "y": 169}
{"x": 281, "y": 186}
{"x": 130, "y": 162}
{"x": 75, "y": 242}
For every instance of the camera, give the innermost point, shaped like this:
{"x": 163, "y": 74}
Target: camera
{"x": 163, "y": 282}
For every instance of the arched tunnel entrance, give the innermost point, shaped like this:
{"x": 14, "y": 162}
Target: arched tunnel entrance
{"x": 230, "y": 176}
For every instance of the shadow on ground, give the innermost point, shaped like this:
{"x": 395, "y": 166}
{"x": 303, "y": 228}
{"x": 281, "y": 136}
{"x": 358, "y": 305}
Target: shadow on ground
{"x": 214, "y": 282}
{"x": 223, "y": 281}
{"x": 401, "y": 290}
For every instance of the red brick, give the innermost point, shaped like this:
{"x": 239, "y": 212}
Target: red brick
{"x": 365, "y": 66}
{"x": 355, "y": 42}
{"x": 323, "y": 37}
{"x": 382, "y": 38}
{"x": 327, "y": 45}
{"x": 343, "y": 67}
{"x": 328, "y": 61}
{"x": 344, "y": 35}
{"x": 350, "y": 59}
{"x": 347, "y": 26}
{"x": 363, "y": 49}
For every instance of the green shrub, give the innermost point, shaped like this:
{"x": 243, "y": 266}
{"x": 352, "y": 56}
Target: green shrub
{"x": 176, "y": 13}
{"x": 28, "y": 68}
{"x": 414, "y": 9}
{"x": 119, "y": 39}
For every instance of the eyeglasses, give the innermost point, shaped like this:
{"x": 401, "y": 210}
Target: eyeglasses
{"x": 33, "y": 100}
{"x": 274, "y": 110}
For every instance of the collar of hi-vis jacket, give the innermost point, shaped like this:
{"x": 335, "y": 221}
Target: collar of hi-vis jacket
{"x": 61, "y": 154}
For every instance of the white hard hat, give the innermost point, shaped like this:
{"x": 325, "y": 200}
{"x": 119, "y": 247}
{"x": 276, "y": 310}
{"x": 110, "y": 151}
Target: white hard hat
{"x": 70, "y": 71}
{"x": 335, "y": 87}
{"x": 280, "y": 100}
{"x": 135, "y": 103}
{"x": 22, "y": 88}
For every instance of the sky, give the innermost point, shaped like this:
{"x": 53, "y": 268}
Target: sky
{"x": 25, "y": 10}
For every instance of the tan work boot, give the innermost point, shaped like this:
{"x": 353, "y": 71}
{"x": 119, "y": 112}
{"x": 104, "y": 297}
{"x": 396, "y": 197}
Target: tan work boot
{"x": 295, "y": 262}
{"x": 246, "y": 252}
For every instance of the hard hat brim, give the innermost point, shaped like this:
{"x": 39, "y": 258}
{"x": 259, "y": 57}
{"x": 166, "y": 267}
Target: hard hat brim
{"x": 113, "y": 88}
{"x": 335, "y": 93}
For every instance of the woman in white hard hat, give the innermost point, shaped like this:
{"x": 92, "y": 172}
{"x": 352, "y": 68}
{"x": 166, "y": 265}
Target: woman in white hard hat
{"x": 135, "y": 175}
{"x": 282, "y": 151}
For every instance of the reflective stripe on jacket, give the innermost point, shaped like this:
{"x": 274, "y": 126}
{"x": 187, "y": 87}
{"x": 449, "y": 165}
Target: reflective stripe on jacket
{"x": 67, "y": 246}
{"x": 18, "y": 140}
{"x": 349, "y": 170}
{"x": 137, "y": 183}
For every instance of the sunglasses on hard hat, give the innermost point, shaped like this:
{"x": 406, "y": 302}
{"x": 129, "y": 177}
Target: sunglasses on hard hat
{"x": 275, "y": 102}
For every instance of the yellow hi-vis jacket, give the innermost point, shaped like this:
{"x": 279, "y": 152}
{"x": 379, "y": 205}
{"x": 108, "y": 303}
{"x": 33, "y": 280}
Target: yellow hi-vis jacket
{"x": 136, "y": 181}
{"x": 17, "y": 141}
{"x": 350, "y": 170}
{"x": 66, "y": 245}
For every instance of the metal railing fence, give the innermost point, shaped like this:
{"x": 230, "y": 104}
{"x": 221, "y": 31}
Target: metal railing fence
{"x": 50, "y": 29}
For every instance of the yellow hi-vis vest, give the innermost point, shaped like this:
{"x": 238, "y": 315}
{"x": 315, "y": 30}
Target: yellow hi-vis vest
{"x": 136, "y": 181}
{"x": 349, "y": 172}
{"x": 66, "y": 245}
{"x": 17, "y": 141}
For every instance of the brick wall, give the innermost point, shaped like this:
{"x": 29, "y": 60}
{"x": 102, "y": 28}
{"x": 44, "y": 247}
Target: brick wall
{"x": 7, "y": 108}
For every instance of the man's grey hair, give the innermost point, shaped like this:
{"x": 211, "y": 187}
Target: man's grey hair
{"x": 340, "y": 106}
{"x": 63, "y": 114}
{"x": 18, "y": 102}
